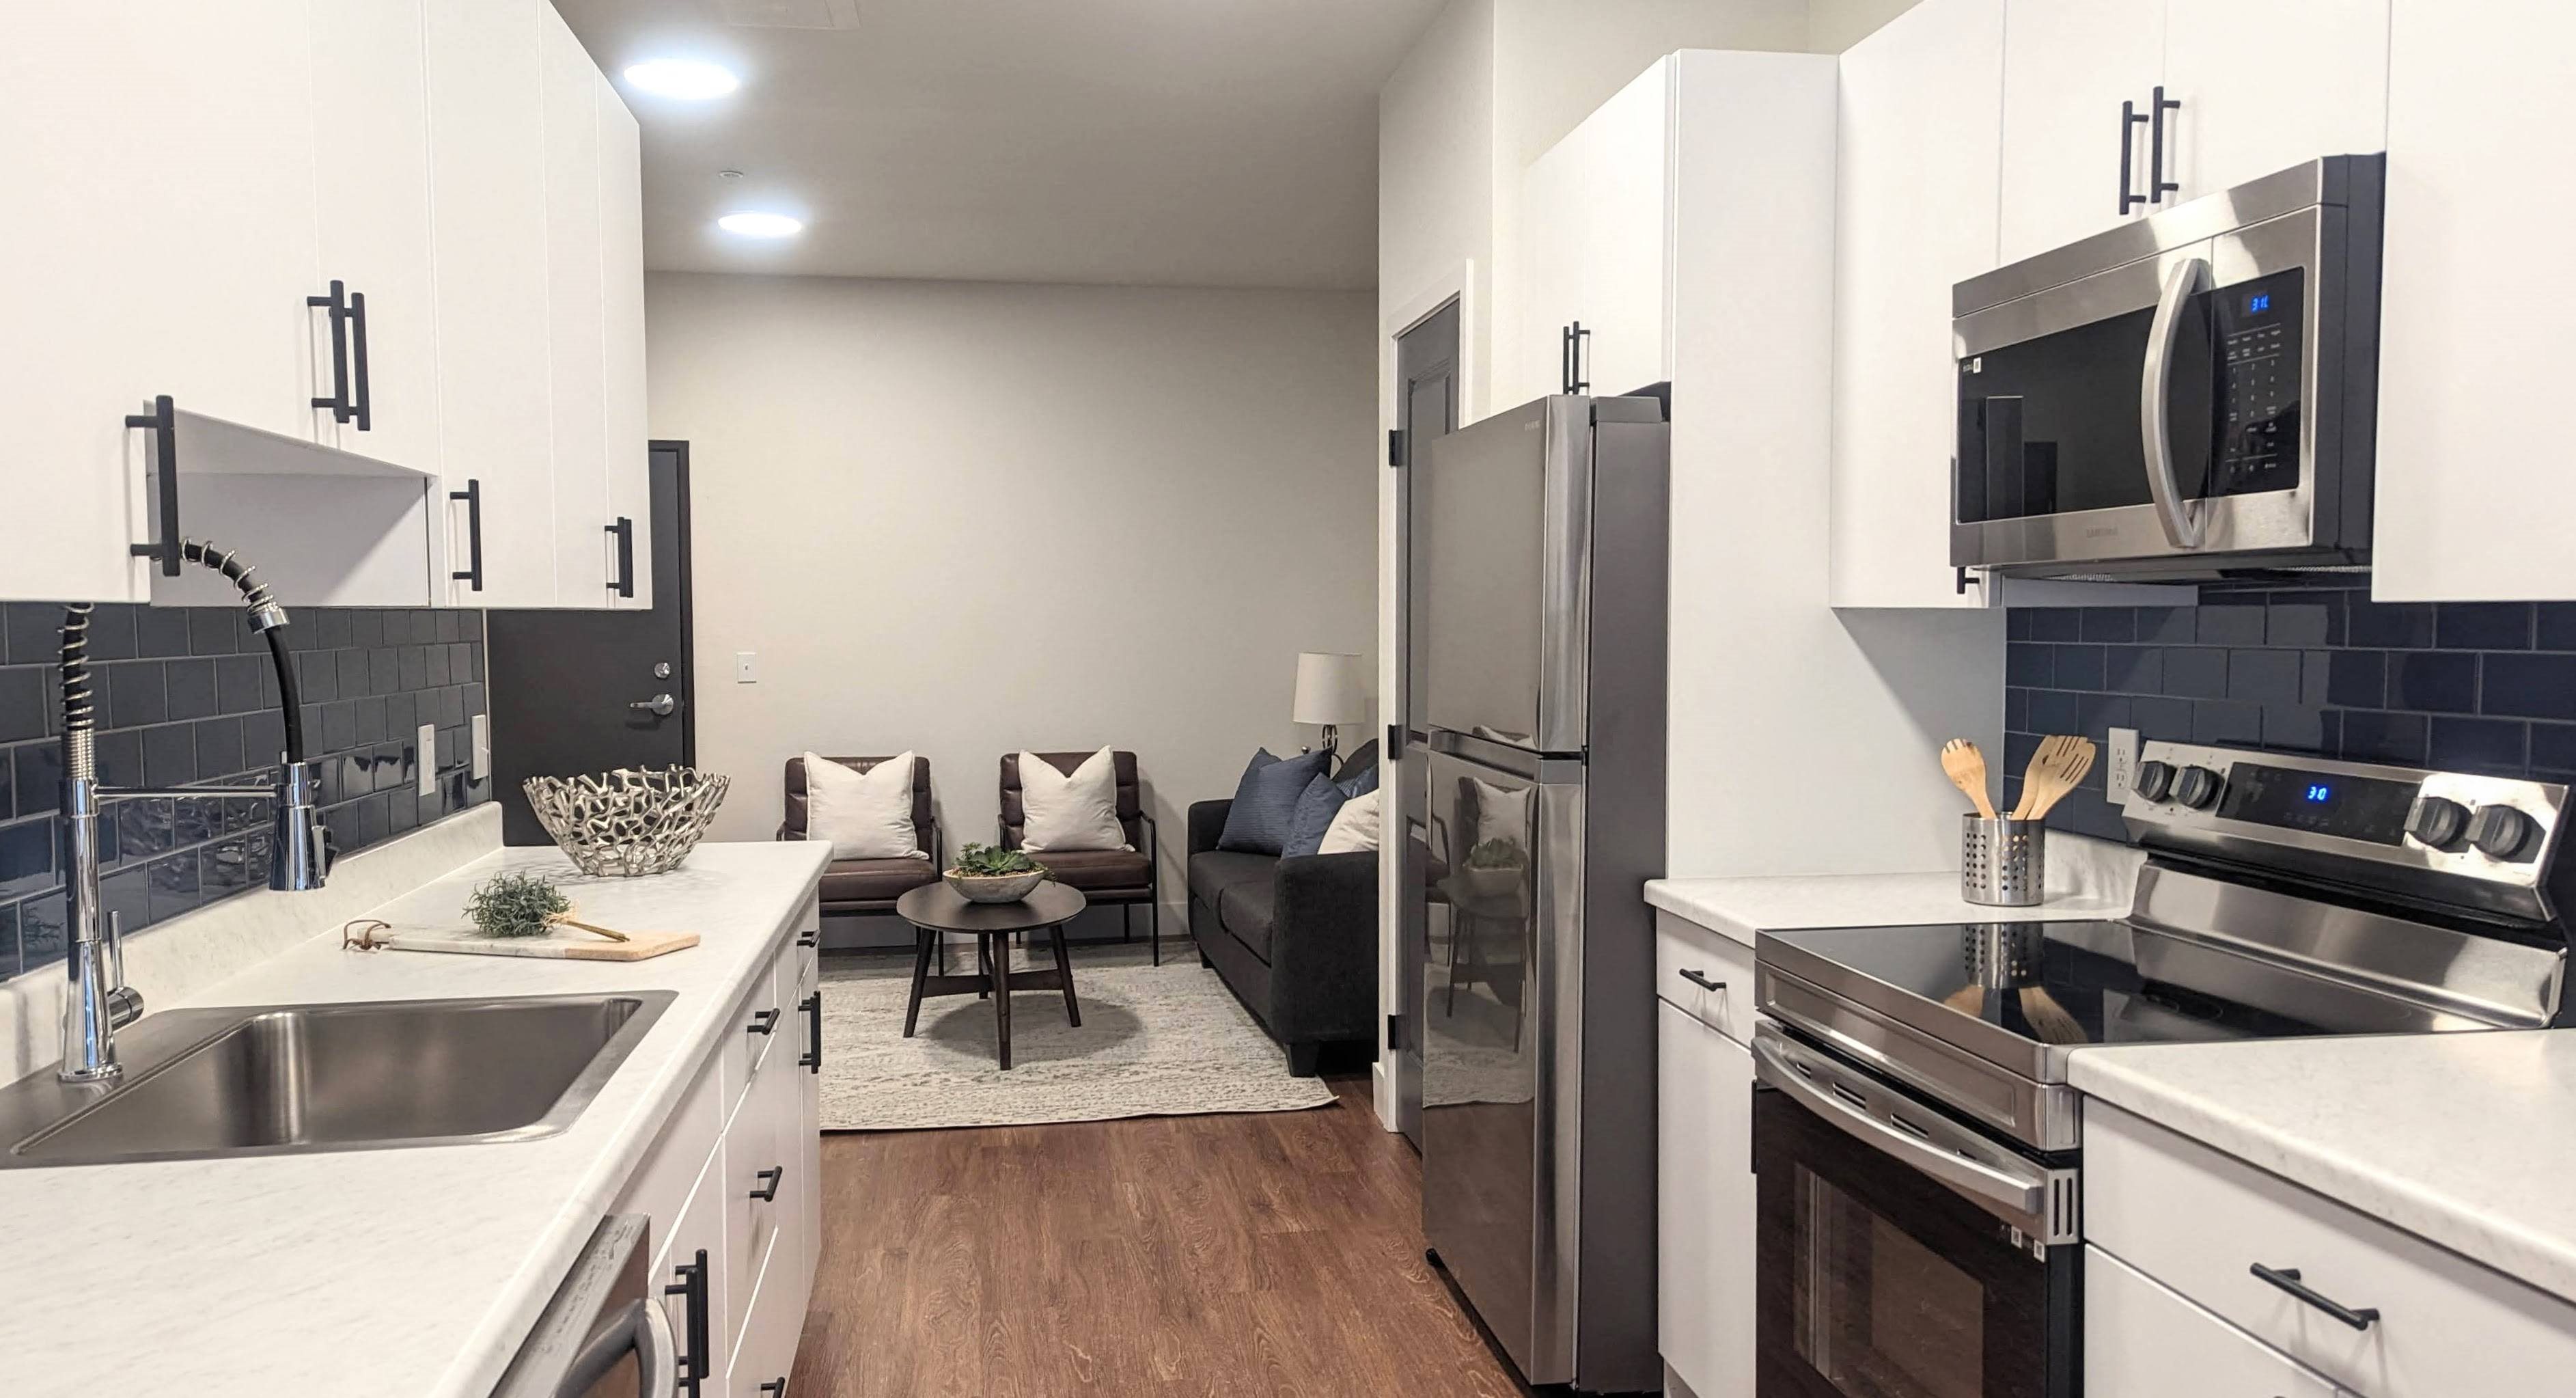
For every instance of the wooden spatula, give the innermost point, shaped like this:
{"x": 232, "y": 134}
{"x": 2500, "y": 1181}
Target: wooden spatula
{"x": 1967, "y": 768}
{"x": 2060, "y": 763}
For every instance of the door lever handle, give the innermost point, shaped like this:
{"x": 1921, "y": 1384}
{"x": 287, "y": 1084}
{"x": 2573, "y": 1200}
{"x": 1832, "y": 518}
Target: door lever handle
{"x": 660, "y": 706}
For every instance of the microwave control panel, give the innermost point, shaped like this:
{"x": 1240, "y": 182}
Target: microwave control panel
{"x": 2256, "y": 327}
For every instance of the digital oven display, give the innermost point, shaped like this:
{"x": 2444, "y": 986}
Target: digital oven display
{"x": 2356, "y": 808}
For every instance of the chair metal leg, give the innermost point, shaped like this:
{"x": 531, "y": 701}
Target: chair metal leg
{"x": 1127, "y": 922}
{"x": 1154, "y": 929}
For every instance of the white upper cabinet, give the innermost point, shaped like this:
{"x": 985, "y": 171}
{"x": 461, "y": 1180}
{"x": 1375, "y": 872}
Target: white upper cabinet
{"x": 621, "y": 210}
{"x": 488, "y": 235}
{"x": 1921, "y": 112}
{"x": 2474, "y": 491}
{"x": 578, "y": 347}
{"x": 1596, "y": 224}
{"x": 371, "y": 146}
{"x": 2068, "y": 67}
{"x": 2267, "y": 86}
{"x": 159, "y": 240}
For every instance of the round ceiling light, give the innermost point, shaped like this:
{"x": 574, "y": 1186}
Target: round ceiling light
{"x": 682, "y": 78}
{"x": 759, "y": 225}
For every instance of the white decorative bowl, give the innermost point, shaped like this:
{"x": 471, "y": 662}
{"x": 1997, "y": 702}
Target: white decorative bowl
{"x": 994, "y": 888}
{"x": 629, "y": 822}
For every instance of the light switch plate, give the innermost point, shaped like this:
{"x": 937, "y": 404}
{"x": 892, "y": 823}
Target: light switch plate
{"x": 2122, "y": 774}
{"x": 482, "y": 756}
{"x": 744, "y": 667}
{"x": 429, "y": 759}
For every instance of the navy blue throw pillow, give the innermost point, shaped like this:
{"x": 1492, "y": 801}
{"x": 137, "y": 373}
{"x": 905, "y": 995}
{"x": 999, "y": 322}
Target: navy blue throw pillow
{"x": 1265, "y": 801}
{"x": 1323, "y": 799}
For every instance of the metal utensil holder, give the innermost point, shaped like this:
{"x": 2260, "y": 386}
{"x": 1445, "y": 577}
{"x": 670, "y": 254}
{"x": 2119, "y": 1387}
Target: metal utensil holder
{"x": 2003, "y": 863}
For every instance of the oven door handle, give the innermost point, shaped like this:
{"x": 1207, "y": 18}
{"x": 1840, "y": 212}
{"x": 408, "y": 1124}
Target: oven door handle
{"x": 2182, "y": 523}
{"x": 2025, "y": 1195}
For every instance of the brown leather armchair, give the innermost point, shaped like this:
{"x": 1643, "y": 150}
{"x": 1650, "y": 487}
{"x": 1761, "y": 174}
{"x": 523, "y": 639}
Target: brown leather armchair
{"x": 866, "y": 887}
{"x": 1115, "y": 877}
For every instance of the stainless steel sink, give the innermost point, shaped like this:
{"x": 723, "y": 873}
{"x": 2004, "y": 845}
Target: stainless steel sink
{"x": 276, "y": 1080}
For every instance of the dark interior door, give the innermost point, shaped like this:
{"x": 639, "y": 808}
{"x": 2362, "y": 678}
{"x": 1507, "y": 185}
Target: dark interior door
{"x": 1426, "y": 361}
{"x": 583, "y": 692}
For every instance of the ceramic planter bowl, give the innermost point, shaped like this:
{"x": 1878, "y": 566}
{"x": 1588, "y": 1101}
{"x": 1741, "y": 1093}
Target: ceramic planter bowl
{"x": 994, "y": 888}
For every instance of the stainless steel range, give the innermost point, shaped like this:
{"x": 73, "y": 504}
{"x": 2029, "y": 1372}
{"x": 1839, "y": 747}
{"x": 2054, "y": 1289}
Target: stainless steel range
{"x": 1916, "y": 1137}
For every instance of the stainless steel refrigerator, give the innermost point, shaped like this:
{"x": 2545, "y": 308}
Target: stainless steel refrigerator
{"x": 1535, "y": 798}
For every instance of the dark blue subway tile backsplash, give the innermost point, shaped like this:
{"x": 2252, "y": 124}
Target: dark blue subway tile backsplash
{"x": 188, "y": 697}
{"x": 2479, "y": 687}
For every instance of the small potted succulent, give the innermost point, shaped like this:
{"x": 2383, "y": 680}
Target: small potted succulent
{"x": 990, "y": 874}
{"x": 1495, "y": 869}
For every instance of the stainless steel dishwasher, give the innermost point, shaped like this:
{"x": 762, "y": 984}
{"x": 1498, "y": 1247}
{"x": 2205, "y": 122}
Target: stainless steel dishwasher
{"x": 603, "y": 1335}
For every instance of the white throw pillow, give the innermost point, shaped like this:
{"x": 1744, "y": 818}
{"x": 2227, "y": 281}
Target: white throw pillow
{"x": 1070, "y": 813}
{"x": 1503, "y": 813}
{"x": 1354, "y": 828}
{"x": 865, "y": 815}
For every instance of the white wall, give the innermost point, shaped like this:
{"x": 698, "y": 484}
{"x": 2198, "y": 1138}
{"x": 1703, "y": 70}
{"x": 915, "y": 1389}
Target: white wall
{"x": 1835, "y": 25}
{"x": 967, "y": 518}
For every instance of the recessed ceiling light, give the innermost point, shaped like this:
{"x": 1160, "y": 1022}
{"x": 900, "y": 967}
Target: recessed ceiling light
{"x": 757, "y": 225}
{"x": 682, "y": 78}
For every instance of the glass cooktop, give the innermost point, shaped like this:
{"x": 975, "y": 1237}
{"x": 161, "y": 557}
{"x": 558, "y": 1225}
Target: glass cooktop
{"x": 2065, "y": 984}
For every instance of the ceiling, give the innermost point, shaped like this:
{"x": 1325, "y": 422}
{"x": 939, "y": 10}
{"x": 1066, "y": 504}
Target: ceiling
{"x": 1164, "y": 142}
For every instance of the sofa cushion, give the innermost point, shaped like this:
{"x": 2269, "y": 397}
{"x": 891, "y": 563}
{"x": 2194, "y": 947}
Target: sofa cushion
{"x": 1362, "y": 759}
{"x": 874, "y": 880}
{"x": 1098, "y": 870}
{"x": 1246, "y": 911}
{"x": 1265, "y": 801}
{"x": 1212, "y": 872}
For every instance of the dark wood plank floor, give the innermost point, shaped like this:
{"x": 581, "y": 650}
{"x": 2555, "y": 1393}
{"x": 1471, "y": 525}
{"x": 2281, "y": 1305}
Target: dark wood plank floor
{"x": 1267, "y": 1254}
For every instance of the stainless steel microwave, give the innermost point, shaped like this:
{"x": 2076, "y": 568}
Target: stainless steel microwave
{"x": 2188, "y": 395}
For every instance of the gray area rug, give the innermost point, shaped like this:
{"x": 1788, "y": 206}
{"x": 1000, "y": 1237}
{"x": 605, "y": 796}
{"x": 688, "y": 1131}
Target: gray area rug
{"x": 1155, "y": 1041}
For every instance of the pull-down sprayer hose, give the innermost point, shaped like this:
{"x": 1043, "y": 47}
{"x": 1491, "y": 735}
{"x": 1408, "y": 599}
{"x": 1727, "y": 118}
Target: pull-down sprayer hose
{"x": 79, "y": 714}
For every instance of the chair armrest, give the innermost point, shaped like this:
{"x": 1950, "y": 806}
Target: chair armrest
{"x": 1323, "y": 947}
{"x": 1207, "y": 823}
{"x": 786, "y": 834}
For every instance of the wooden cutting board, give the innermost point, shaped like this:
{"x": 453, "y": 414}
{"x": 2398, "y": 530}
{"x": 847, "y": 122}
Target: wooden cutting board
{"x": 556, "y": 946}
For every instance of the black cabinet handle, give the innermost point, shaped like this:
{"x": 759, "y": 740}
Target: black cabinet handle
{"x": 2157, "y": 185}
{"x": 1570, "y": 358}
{"x": 362, "y": 406}
{"x": 2130, "y": 119}
{"x": 338, "y": 304}
{"x": 809, "y": 939}
{"x": 774, "y": 1176}
{"x": 813, "y": 1007}
{"x": 2287, "y": 1279}
{"x": 1961, "y": 581}
{"x": 765, "y": 1022}
{"x": 472, "y": 573}
{"x": 692, "y": 1284}
{"x": 163, "y": 423}
{"x": 1702, "y": 981}
{"x": 775, "y": 1388}
{"x": 624, "y": 584}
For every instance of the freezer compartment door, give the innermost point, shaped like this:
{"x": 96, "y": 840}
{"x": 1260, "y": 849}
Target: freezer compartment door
{"x": 1500, "y": 1047}
{"x": 1502, "y": 557}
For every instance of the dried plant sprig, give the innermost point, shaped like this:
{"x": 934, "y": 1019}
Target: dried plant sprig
{"x": 516, "y": 905}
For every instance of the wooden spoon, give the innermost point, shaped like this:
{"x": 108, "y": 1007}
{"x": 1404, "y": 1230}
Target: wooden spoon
{"x": 2060, "y": 763}
{"x": 1967, "y": 768}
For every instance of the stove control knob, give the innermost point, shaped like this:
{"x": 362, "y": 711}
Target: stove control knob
{"x": 2437, "y": 822}
{"x": 2501, "y": 832}
{"x": 2154, "y": 780}
{"x": 2198, "y": 788}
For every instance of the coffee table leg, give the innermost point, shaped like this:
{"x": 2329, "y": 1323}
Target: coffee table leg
{"x": 1001, "y": 957}
{"x": 1064, "y": 973}
{"x": 920, "y": 968}
{"x": 984, "y": 964}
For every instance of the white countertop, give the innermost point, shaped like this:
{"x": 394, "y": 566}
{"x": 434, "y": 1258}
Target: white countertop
{"x": 412, "y": 1272}
{"x": 2464, "y": 1139}
{"x": 1739, "y": 908}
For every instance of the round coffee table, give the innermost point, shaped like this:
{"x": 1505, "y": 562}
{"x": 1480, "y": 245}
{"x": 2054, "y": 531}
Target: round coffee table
{"x": 935, "y": 909}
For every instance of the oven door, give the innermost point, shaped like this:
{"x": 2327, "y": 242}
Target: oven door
{"x": 2185, "y": 405}
{"x": 1888, "y": 1268}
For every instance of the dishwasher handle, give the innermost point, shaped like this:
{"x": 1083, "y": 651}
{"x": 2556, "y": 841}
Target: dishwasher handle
{"x": 638, "y": 1328}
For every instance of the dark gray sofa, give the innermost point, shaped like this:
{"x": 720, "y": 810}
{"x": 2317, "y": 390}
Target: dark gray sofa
{"x": 1294, "y": 938}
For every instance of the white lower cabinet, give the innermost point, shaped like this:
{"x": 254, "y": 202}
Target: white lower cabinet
{"x": 1704, "y": 1206}
{"x": 740, "y": 1121}
{"x": 2144, "y": 1341}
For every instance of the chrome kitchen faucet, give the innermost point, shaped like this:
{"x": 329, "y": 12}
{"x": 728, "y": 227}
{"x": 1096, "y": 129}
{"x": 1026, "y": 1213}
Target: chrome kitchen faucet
{"x": 96, "y": 999}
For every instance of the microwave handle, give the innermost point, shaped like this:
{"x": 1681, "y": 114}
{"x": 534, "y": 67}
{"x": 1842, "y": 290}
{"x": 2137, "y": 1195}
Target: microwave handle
{"x": 2182, "y": 523}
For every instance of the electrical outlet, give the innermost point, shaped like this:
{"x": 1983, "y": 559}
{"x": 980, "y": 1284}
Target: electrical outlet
{"x": 2122, "y": 773}
{"x": 745, "y": 667}
{"x": 429, "y": 759}
{"x": 482, "y": 748}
